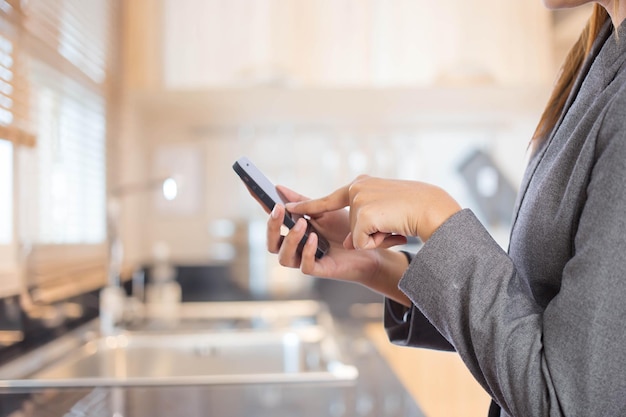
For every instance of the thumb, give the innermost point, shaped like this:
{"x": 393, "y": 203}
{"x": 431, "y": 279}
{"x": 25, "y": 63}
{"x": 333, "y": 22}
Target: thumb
{"x": 388, "y": 241}
{"x": 393, "y": 240}
{"x": 364, "y": 241}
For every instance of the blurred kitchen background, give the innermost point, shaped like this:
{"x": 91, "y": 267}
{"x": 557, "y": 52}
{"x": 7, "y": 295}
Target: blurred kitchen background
{"x": 102, "y": 95}
{"x": 102, "y": 100}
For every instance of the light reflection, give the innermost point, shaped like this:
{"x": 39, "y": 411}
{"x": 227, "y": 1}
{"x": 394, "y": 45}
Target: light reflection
{"x": 170, "y": 189}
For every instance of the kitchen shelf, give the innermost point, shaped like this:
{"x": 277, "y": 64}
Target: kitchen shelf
{"x": 259, "y": 106}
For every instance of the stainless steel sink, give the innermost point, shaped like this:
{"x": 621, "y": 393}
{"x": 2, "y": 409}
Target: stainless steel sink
{"x": 305, "y": 353}
{"x": 236, "y": 316}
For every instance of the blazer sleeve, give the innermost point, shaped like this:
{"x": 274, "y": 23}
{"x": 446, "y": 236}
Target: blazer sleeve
{"x": 568, "y": 359}
{"x": 409, "y": 327}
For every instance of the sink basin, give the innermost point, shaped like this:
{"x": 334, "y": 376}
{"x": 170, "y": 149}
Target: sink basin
{"x": 236, "y": 316}
{"x": 299, "y": 354}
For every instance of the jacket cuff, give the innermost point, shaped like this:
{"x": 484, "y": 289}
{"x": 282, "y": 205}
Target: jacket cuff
{"x": 409, "y": 327}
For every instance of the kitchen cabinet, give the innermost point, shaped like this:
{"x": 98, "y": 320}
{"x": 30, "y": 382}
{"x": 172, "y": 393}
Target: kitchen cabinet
{"x": 193, "y": 44}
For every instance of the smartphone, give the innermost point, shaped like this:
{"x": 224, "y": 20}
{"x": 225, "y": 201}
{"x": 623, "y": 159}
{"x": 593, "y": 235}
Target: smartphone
{"x": 268, "y": 195}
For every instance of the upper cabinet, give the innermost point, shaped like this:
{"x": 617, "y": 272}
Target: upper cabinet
{"x": 190, "y": 44}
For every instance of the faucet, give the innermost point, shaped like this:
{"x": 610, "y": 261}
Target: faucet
{"x": 11, "y": 326}
{"x": 113, "y": 300}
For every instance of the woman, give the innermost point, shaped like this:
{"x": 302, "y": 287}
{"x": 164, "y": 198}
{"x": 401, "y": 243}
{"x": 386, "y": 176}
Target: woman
{"x": 542, "y": 326}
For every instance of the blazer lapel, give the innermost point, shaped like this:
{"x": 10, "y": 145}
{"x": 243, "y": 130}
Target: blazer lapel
{"x": 539, "y": 154}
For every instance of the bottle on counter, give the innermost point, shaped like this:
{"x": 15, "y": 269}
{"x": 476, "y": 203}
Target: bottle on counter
{"x": 163, "y": 293}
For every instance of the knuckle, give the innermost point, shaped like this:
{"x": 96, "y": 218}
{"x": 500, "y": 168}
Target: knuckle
{"x": 305, "y": 268}
{"x": 354, "y": 189}
{"x": 358, "y": 184}
{"x": 286, "y": 262}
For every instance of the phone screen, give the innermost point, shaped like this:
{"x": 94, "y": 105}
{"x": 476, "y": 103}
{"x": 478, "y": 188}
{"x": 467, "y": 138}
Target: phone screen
{"x": 265, "y": 192}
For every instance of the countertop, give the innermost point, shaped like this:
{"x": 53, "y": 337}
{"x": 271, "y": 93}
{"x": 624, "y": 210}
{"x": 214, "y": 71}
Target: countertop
{"x": 378, "y": 392}
{"x": 394, "y": 381}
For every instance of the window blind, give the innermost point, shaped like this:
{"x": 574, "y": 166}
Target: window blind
{"x": 71, "y": 131}
{"x": 14, "y": 103}
{"x": 14, "y": 129}
{"x": 69, "y": 115}
{"x": 55, "y": 64}
{"x": 79, "y": 30}
{"x": 6, "y": 192}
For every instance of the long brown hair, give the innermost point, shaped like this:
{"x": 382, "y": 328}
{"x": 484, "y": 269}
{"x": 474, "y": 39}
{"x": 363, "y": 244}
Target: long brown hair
{"x": 567, "y": 75}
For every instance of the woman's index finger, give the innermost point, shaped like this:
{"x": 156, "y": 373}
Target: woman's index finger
{"x": 334, "y": 201}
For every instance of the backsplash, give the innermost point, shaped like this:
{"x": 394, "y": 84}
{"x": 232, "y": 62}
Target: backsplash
{"x": 311, "y": 140}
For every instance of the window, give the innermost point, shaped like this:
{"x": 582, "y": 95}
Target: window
{"x": 71, "y": 159}
{"x": 14, "y": 105}
{"x": 6, "y": 192}
{"x": 55, "y": 87}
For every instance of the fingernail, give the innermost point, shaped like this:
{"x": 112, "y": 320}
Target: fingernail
{"x": 274, "y": 213}
{"x": 300, "y": 224}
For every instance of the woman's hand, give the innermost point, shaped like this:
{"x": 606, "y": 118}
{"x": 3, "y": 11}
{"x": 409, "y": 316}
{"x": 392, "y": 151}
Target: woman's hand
{"x": 381, "y": 209}
{"x": 334, "y": 226}
{"x": 378, "y": 269}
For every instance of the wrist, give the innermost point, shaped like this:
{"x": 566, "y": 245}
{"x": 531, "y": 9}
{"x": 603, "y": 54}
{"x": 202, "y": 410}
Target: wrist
{"x": 443, "y": 208}
{"x": 384, "y": 278}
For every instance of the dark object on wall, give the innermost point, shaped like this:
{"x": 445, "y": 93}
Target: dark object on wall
{"x": 493, "y": 193}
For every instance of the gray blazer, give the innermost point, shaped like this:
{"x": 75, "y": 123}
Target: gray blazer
{"x": 542, "y": 327}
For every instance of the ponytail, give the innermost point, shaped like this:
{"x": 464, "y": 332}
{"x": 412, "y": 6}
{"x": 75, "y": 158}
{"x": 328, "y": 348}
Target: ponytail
{"x": 567, "y": 75}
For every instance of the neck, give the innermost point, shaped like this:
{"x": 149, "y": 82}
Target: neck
{"x": 616, "y": 9}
